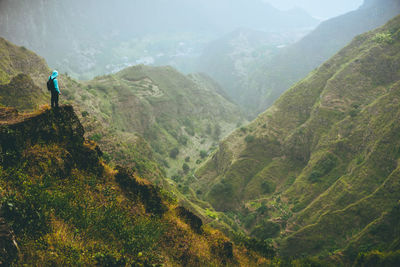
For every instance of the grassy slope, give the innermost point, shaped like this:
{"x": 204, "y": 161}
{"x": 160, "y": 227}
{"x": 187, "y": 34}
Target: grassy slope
{"x": 169, "y": 110}
{"x": 22, "y": 77}
{"x": 273, "y": 76}
{"x": 67, "y": 207}
{"x": 230, "y": 61}
{"x": 15, "y": 60}
{"x": 159, "y": 104}
{"x": 126, "y": 111}
{"x": 323, "y": 156}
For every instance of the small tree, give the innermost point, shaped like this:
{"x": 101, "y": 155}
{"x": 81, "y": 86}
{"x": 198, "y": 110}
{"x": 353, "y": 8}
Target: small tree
{"x": 174, "y": 152}
{"x": 203, "y": 154}
{"x": 185, "y": 168}
{"x": 250, "y": 138}
{"x": 217, "y": 132}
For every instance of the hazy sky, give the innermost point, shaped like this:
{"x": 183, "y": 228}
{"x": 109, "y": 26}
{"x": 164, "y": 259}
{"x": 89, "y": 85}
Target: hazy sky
{"x": 319, "y": 8}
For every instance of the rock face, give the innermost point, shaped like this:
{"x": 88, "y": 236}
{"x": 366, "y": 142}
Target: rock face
{"x": 52, "y": 126}
{"x": 190, "y": 218}
{"x": 145, "y": 191}
{"x": 8, "y": 245}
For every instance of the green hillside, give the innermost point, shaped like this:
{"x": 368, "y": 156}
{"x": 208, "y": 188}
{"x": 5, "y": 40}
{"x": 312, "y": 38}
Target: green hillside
{"x": 153, "y": 120}
{"x": 181, "y": 117}
{"x": 230, "y": 60}
{"x": 318, "y": 171}
{"x": 178, "y": 115}
{"x": 68, "y": 208}
{"x": 255, "y": 69}
{"x": 15, "y": 60}
{"x": 294, "y": 62}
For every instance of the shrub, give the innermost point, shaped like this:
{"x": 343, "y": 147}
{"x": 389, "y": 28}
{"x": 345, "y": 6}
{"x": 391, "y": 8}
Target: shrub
{"x": 384, "y": 37}
{"x": 354, "y": 112}
{"x": 267, "y": 187}
{"x": 96, "y": 137}
{"x": 174, "y": 153}
{"x": 315, "y": 175}
{"x": 203, "y": 154}
{"x": 264, "y": 247}
{"x": 323, "y": 167}
{"x": 217, "y": 131}
{"x": 177, "y": 178}
{"x": 249, "y": 220}
{"x": 190, "y": 131}
{"x": 266, "y": 230}
{"x": 250, "y": 138}
{"x": 222, "y": 191}
{"x": 185, "y": 168}
{"x": 183, "y": 140}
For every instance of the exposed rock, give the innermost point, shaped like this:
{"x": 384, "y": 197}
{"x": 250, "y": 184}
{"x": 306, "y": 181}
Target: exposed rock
{"x": 145, "y": 191}
{"x": 190, "y": 218}
{"x": 51, "y": 126}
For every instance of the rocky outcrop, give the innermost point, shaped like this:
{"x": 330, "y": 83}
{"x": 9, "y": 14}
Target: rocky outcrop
{"x": 141, "y": 190}
{"x": 190, "y": 218}
{"x": 55, "y": 126}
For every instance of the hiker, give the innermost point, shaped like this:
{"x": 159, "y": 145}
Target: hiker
{"x": 52, "y": 86}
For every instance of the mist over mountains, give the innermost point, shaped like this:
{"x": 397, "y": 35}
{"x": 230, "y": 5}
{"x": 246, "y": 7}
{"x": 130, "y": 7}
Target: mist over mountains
{"x": 271, "y": 70}
{"x": 89, "y": 38}
{"x": 146, "y": 165}
{"x": 319, "y": 9}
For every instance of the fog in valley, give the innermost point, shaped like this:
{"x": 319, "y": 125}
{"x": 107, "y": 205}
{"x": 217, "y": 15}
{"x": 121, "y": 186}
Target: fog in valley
{"x": 318, "y": 9}
{"x": 199, "y": 132}
{"x": 89, "y": 38}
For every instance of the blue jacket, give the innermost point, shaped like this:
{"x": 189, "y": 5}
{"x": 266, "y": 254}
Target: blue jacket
{"x": 54, "y": 76}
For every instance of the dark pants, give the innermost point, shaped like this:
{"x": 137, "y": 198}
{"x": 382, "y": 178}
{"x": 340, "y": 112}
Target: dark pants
{"x": 54, "y": 99}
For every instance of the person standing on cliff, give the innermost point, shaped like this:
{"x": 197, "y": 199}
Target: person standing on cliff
{"x": 52, "y": 86}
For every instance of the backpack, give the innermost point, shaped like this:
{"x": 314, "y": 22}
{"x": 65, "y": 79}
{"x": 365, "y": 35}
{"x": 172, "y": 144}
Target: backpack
{"x": 50, "y": 85}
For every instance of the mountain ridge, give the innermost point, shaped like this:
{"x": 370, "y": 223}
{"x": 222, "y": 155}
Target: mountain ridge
{"x": 273, "y": 69}
{"x": 324, "y": 148}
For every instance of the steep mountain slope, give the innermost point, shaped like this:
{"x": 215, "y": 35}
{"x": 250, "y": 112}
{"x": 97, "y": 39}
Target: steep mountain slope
{"x": 270, "y": 71}
{"x": 67, "y": 207}
{"x": 23, "y": 85}
{"x": 86, "y": 38}
{"x": 230, "y": 59}
{"x": 178, "y": 115}
{"x": 294, "y": 62}
{"x": 124, "y": 111}
{"x": 148, "y": 119}
{"x": 19, "y": 60}
{"x": 319, "y": 169}
{"x": 23, "y": 77}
